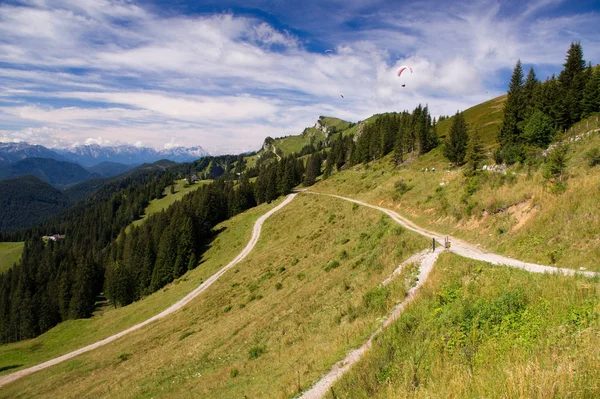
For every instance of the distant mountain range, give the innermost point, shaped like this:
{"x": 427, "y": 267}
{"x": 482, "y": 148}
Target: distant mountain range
{"x": 15, "y": 152}
{"x": 89, "y": 155}
{"x": 94, "y": 154}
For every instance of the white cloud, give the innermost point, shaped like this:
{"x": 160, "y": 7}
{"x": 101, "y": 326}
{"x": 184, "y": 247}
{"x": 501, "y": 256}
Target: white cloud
{"x": 76, "y": 70}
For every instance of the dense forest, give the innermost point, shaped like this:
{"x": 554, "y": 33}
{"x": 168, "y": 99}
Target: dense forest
{"x": 27, "y": 201}
{"x": 59, "y": 280}
{"x": 56, "y": 281}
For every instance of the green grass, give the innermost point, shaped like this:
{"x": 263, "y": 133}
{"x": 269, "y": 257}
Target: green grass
{"x": 516, "y": 214}
{"x": 73, "y": 334}
{"x": 485, "y": 117}
{"x": 479, "y": 331}
{"x": 288, "y": 321}
{"x": 10, "y": 253}
{"x": 159, "y": 204}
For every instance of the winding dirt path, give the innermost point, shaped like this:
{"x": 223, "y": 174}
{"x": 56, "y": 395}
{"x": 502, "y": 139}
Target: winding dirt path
{"x": 173, "y": 308}
{"x": 463, "y": 248}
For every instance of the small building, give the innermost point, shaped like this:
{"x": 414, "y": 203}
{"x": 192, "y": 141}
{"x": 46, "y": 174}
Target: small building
{"x": 194, "y": 179}
{"x": 53, "y": 237}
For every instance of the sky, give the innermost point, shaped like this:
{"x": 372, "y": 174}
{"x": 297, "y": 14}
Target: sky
{"x": 226, "y": 74}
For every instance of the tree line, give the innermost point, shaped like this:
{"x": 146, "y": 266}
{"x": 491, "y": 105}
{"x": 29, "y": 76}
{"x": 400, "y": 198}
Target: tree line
{"x": 534, "y": 112}
{"x": 56, "y": 281}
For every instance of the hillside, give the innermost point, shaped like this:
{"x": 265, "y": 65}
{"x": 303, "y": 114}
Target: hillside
{"x": 485, "y": 117}
{"x": 314, "y": 135}
{"x": 27, "y": 201}
{"x": 10, "y": 253}
{"x": 57, "y": 173}
{"x": 109, "y": 169}
{"x": 514, "y": 213}
{"x": 264, "y": 317}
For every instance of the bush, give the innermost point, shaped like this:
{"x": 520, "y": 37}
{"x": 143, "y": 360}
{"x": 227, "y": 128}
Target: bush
{"x": 331, "y": 265}
{"x": 556, "y": 163}
{"x": 234, "y": 373}
{"x": 256, "y": 351}
{"x": 400, "y": 188}
{"x": 593, "y": 157}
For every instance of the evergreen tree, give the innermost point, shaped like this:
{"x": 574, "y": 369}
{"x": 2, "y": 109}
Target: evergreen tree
{"x": 539, "y": 130}
{"x": 590, "y": 102}
{"x": 456, "y": 144}
{"x": 513, "y": 109}
{"x": 83, "y": 299}
{"x": 311, "y": 171}
{"x": 475, "y": 152}
{"x": 530, "y": 88}
{"x": 573, "y": 82}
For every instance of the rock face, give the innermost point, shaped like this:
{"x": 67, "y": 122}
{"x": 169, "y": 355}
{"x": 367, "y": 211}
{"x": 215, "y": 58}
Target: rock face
{"x": 321, "y": 126}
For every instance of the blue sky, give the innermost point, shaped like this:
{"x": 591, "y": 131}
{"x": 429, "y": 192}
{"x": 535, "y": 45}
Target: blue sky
{"x": 225, "y": 74}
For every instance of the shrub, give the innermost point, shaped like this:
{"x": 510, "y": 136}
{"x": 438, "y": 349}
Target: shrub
{"x": 124, "y": 356}
{"x": 332, "y": 265}
{"x": 400, "y": 188}
{"x": 185, "y": 335}
{"x": 256, "y": 351}
{"x": 234, "y": 373}
{"x": 278, "y": 286}
{"x": 375, "y": 299}
{"x": 593, "y": 157}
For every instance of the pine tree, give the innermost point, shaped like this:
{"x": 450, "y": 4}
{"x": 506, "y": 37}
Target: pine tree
{"x": 591, "y": 95}
{"x": 573, "y": 82}
{"x": 311, "y": 171}
{"x": 456, "y": 145}
{"x": 529, "y": 94}
{"x": 475, "y": 152}
{"x": 513, "y": 109}
{"x": 539, "y": 130}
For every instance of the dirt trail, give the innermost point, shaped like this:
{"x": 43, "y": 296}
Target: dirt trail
{"x": 426, "y": 261}
{"x": 465, "y": 249}
{"x": 173, "y": 308}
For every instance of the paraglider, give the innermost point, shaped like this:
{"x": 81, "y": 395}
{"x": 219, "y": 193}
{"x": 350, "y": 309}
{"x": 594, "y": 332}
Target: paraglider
{"x": 403, "y": 68}
{"x": 341, "y": 96}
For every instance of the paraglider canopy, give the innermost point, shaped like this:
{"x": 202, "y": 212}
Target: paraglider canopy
{"x": 403, "y": 68}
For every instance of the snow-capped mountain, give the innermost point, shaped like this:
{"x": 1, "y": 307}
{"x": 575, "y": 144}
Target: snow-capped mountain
{"x": 89, "y": 155}
{"x": 14, "y": 152}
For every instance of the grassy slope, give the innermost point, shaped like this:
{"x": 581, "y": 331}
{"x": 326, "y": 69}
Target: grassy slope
{"x": 74, "y": 334}
{"x": 10, "y": 253}
{"x": 280, "y": 305}
{"x": 522, "y": 217}
{"x": 291, "y": 144}
{"x": 479, "y": 331}
{"x": 485, "y": 117}
{"x": 159, "y": 204}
